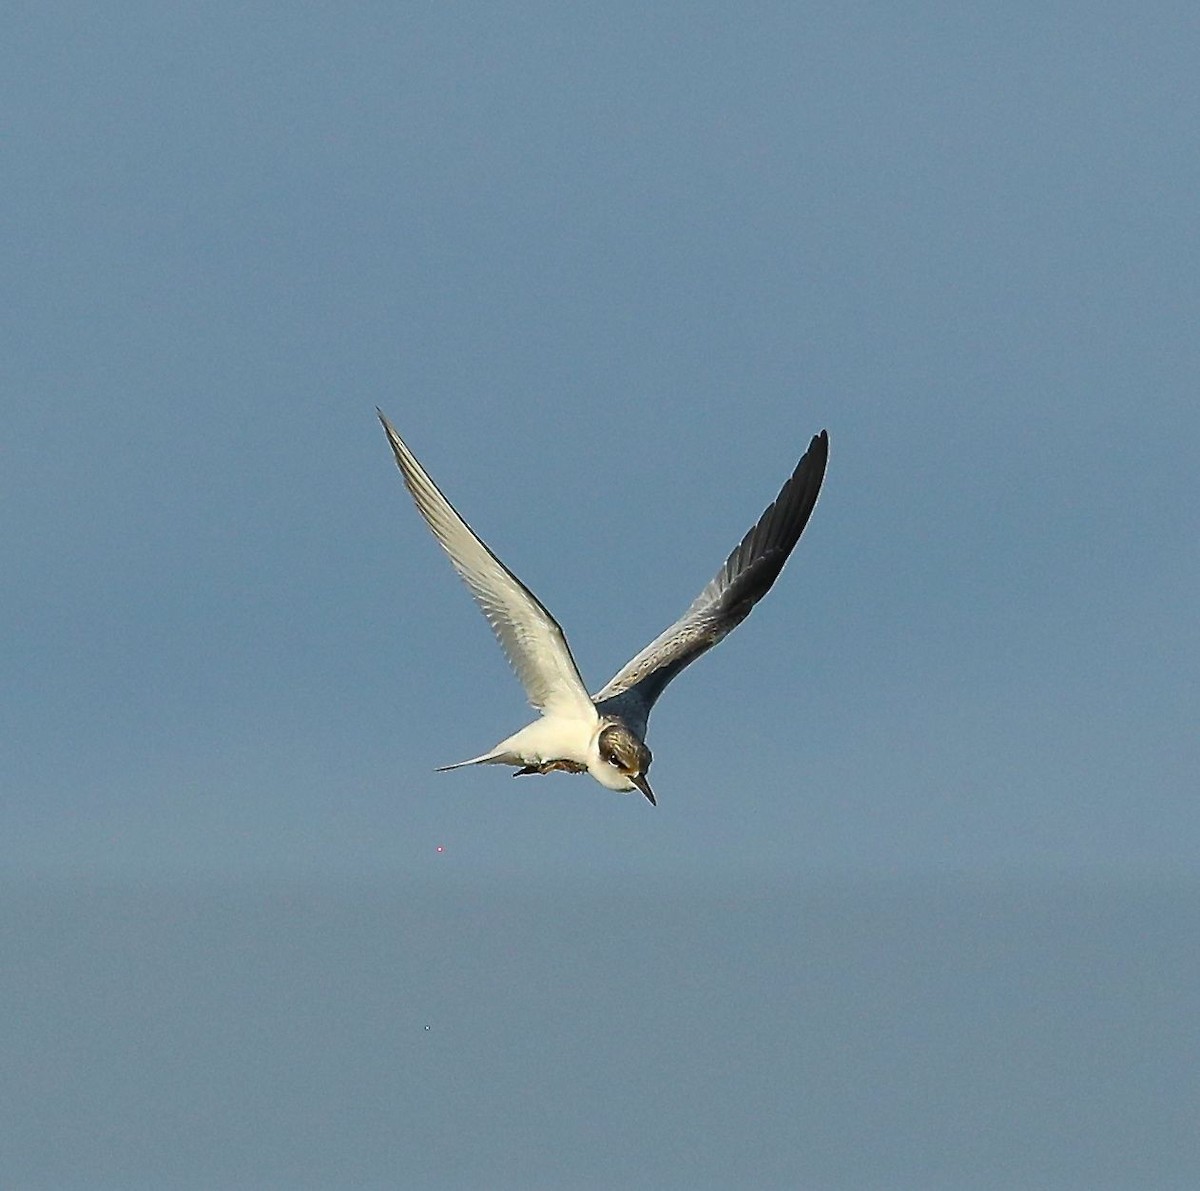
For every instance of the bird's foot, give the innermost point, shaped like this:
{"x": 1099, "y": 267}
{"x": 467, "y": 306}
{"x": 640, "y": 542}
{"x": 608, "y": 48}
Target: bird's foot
{"x": 550, "y": 767}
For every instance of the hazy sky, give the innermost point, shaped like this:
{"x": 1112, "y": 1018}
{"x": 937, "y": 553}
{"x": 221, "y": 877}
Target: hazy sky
{"x": 607, "y": 268}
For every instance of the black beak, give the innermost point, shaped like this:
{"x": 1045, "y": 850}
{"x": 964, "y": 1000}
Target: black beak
{"x": 643, "y": 785}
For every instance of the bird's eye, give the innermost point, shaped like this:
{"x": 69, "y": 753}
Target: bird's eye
{"x": 614, "y": 760}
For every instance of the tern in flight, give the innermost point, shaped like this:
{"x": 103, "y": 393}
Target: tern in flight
{"x": 604, "y": 734}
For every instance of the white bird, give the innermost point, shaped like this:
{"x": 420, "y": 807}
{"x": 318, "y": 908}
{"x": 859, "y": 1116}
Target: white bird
{"x": 604, "y": 734}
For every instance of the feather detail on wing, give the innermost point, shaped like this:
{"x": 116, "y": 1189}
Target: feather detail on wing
{"x": 531, "y": 638}
{"x": 745, "y": 578}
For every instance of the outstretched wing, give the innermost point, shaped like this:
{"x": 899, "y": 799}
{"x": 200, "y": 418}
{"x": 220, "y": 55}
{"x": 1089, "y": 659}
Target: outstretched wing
{"x": 531, "y": 638}
{"x": 744, "y": 579}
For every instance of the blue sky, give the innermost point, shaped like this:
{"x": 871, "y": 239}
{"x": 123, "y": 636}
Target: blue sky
{"x": 608, "y": 273}
{"x": 607, "y": 270}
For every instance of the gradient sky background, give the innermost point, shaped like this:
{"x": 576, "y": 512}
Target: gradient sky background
{"x": 607, "y": 269}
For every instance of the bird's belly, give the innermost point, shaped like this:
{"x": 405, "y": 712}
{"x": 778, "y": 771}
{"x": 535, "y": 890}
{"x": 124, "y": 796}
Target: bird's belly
{"x": 551, "y": 738}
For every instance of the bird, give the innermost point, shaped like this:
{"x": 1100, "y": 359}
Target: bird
{"x": 604, "y": 734}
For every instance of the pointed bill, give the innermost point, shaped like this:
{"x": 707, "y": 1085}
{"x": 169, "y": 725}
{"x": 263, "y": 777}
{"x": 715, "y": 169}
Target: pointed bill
{"x": 643, "y": 785}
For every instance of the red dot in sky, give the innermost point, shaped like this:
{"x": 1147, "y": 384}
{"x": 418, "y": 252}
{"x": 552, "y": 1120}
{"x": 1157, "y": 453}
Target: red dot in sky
{"x": 440, "y": 848}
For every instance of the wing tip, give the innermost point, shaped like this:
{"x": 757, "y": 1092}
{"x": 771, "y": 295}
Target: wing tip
{"x": 819, "y": 444}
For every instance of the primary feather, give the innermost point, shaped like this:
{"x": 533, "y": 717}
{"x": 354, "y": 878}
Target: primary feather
{"x": 726, "y": 601}
{"x": 531, "y": 638}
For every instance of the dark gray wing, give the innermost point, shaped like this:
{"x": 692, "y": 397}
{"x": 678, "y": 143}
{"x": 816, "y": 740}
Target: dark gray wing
{"x": 744, "y": 579}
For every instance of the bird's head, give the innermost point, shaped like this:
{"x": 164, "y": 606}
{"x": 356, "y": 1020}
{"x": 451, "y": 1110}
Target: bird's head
{"x": 624, "y": 760}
